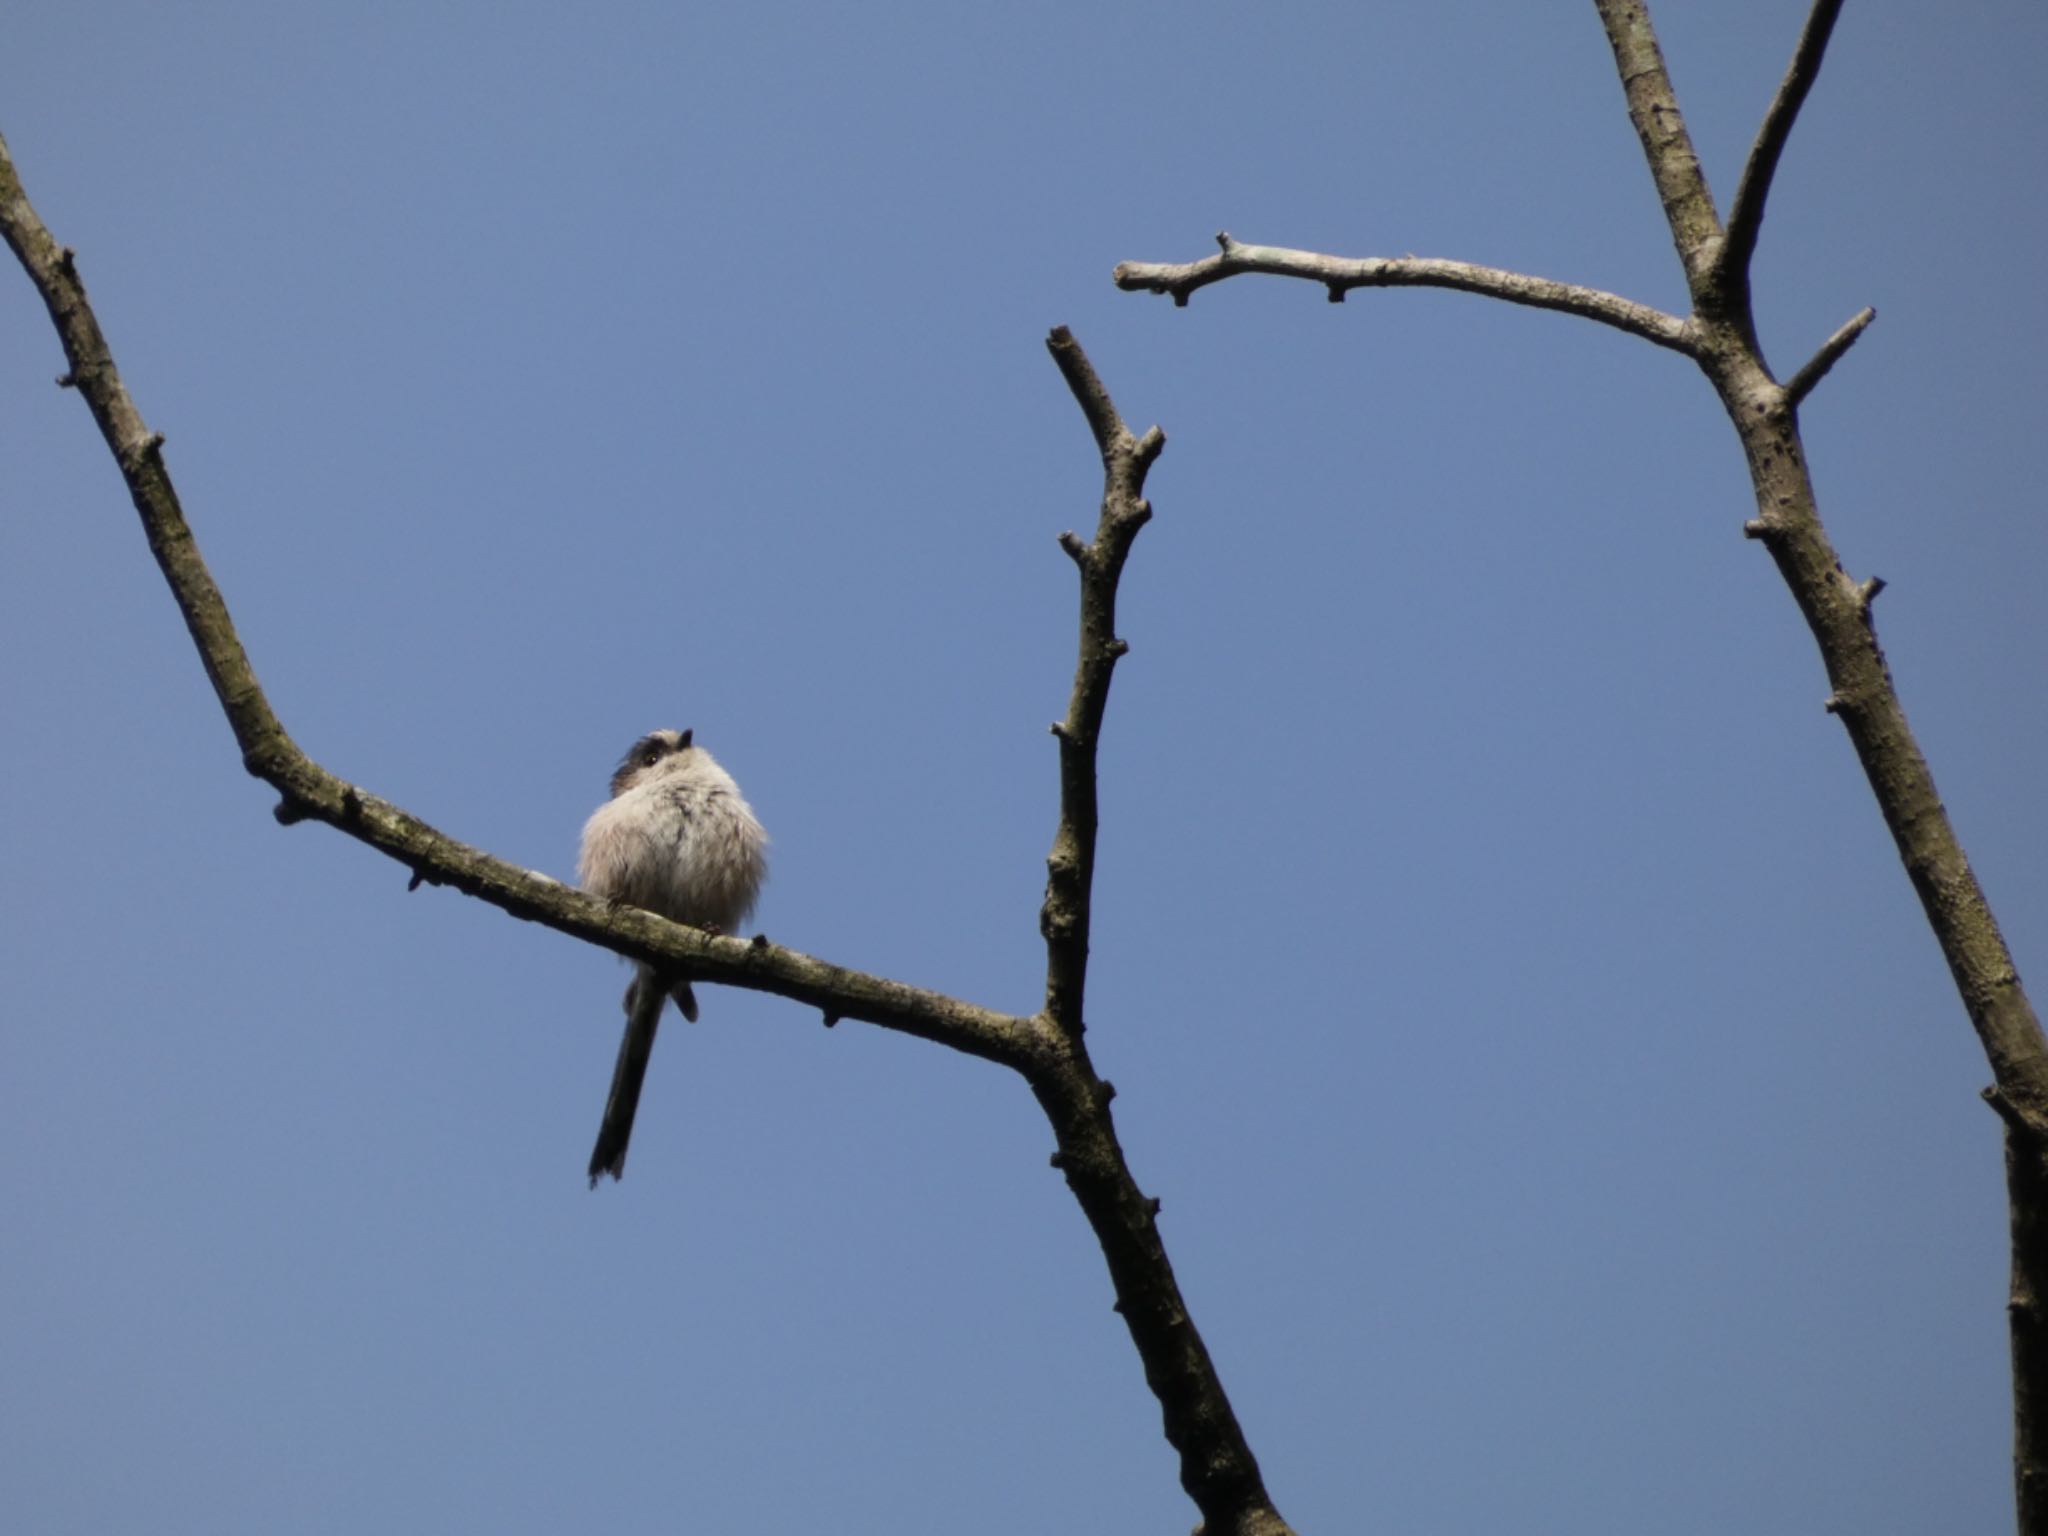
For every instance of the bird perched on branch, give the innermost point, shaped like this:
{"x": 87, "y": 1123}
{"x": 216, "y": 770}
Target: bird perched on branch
{"x": 676, "y": 839}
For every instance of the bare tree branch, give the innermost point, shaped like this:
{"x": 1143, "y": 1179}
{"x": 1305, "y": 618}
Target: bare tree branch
{"x": 1838, "y": 611}
{"x": 1789, "y": 525}
{"x": 1674, "y": 166}
{"x": 1071, "y": 866}
{"x": 1746, "y": 214}
{"x": 1342, "y": 274}
{"x": 1720, "y": 335}
{"x": 1217, "y": 1467}
{"x": 1800, "y": 385}
{"x": 310, "y": 792}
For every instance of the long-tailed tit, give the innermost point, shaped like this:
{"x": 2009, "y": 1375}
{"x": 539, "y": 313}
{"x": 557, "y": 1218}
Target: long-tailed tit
{"x": 677, "y": 839}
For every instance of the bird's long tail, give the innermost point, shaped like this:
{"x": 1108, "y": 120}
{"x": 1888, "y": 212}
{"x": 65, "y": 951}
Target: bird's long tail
{"x": 645, "y": 999}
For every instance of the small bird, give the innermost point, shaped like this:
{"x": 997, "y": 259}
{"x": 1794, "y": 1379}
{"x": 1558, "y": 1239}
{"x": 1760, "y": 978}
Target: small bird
{"x": 677, "y": 839}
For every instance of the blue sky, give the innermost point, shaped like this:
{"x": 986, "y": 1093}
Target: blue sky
{"x": 1562, "y": 1116}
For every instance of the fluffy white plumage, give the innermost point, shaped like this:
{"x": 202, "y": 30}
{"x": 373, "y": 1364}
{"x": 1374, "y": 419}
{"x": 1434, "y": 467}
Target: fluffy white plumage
{"x": 676, "y": 838}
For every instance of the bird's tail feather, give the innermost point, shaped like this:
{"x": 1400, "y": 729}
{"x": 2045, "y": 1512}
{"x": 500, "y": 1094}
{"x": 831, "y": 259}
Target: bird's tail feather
{"x": 644, "y": 1001}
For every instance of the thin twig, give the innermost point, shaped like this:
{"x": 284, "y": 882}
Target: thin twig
{"x": 1746, "y": 214}
{"x": 1801, "y": 383}
{"x": 1339, "y": 275}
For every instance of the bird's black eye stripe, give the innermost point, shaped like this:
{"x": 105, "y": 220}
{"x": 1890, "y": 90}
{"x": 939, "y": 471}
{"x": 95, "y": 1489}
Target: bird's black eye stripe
{"x": 644, "y": 753}
{"x": 648, "y": 752}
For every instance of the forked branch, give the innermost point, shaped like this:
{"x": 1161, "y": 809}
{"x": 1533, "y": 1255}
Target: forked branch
{"x": 1217, "y": 1467}
{"x": 1720, "y": 336}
